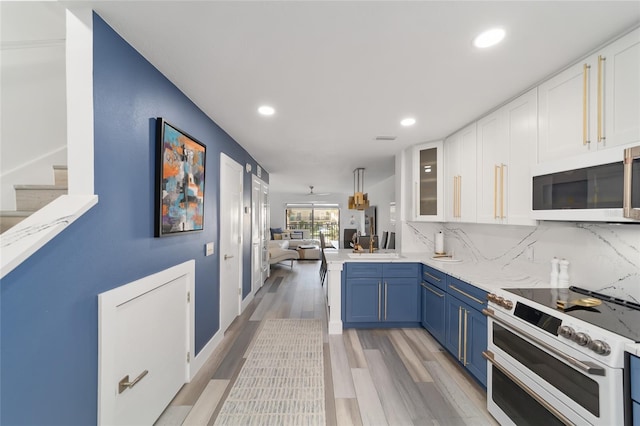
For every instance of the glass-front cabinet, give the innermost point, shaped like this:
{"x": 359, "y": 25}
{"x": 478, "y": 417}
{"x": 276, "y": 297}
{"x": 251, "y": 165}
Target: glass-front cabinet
{"x": 428, "y": 182}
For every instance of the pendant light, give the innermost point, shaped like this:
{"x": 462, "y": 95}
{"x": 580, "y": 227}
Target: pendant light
{"x": 359, "y": 200}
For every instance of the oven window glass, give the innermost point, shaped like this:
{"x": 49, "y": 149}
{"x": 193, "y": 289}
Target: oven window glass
{"x": 572, "y": 383}
{"x": 521, "y": 408}
{"x": 597, "y": 187}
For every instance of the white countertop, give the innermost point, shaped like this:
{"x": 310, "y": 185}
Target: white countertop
{"x": 485, "y": 275}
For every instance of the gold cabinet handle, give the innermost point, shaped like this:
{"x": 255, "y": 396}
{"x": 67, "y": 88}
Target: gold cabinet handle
{"x": 585, "y": 79}
{"x": 502, "y": 166}
{"x": 459, "y": 332}
{"x": 432, "y": 290}
{"x": 226, "y": 256}
{"x": 379, "y": 298}
{"x": 475, "y": 299}
{"x": 601, "y": 137}
{"x": 459, "y": 196}
{"x": 431, "y": 276}
{"x": 124, "y": 383}
{"x": 385, "y": 300}
{"x": 495, "y": 191}
{"x": 464, "y": 360}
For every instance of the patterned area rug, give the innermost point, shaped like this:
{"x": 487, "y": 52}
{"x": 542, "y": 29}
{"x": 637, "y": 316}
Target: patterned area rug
{"x": 282, "y": 380}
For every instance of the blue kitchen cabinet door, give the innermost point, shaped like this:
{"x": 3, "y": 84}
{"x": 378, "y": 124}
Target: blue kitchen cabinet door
{"x": 476, "y": 343}
{"x": 453, "y": 322}
{"x": 363, "y": 300}
{"x": 433, "y": 311}
{"x": 401, "y": 299}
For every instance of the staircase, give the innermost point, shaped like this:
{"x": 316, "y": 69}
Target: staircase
{"x": 30, "y": 198}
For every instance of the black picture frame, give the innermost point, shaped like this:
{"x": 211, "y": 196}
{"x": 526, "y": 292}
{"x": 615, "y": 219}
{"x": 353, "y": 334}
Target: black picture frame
{"x": 180, "y": 181}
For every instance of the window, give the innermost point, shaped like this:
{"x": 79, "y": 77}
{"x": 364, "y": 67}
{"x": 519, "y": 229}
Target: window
{"x": 316, "y": 218}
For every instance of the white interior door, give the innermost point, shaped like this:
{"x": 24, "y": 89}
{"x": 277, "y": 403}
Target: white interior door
{"x": 256, "y": 232}
{"x": 231, "y": 174}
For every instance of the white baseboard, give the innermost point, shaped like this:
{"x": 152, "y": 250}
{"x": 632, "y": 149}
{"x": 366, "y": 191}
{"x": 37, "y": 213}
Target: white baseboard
{"x": 202, "y": 357}
{"x": 246, "y": 302}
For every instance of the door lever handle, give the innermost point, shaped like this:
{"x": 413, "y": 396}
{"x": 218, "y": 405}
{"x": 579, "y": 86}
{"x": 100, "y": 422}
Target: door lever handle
{"x": 124, "y": 383}
{"x": 226, "y": 256}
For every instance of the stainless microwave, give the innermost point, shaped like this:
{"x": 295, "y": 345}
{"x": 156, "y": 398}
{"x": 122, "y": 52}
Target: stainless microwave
{"x": 602, "y": 187}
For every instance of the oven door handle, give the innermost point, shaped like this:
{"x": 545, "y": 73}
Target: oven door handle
{"x": 586, "y": 366}
{"x": 490, "y": 357}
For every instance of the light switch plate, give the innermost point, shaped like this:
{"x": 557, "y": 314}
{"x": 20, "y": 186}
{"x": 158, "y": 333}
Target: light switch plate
{"x": 208, "y": 249}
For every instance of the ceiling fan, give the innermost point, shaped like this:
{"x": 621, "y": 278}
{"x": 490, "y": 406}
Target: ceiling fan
{"x": 320, "y": 194}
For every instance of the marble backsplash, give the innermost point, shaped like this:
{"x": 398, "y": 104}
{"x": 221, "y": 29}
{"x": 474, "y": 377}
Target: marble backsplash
{"x": 603, "y": 257}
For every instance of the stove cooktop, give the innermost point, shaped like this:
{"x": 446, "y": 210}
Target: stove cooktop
{"x": 615, "y": 315}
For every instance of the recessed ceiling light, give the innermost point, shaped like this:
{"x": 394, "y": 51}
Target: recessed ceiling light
{"x": 266, "y": 110}
{"x": 489, "y": 38}
{"x": 408, "y": 121}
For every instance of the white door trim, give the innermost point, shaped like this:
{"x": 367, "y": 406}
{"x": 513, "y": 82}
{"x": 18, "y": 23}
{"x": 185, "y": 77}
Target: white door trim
{"x": 225, "y": 159}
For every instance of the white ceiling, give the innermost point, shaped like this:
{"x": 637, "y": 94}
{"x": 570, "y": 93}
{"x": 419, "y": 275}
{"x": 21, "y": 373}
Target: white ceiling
{"x": 341, "y": 73}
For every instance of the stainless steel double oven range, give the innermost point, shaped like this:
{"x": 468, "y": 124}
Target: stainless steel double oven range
{"x": 552, "y": 363}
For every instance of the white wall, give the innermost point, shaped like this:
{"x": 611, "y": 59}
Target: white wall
{"x": 33, "y": 95}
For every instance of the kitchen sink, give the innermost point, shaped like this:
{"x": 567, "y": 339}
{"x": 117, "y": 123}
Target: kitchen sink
{"x": 367, "y": 255}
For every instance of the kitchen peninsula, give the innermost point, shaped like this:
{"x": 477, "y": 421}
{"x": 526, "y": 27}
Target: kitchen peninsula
{"x": 485, "y": 275}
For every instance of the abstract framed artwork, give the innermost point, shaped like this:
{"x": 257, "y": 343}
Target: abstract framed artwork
{"x": 180, "y": 171}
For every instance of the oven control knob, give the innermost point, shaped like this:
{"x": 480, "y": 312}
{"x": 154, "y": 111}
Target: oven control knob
{"x": 582, "y": 339}
{"x": 491, "y": 297}
{"x": 499, "y": 300}
{"x": 508, "y": 304}
{"x": 566, "y": 331}
{"x": 600, "y": 347}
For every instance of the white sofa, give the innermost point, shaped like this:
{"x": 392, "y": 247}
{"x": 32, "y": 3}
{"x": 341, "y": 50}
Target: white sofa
{"x": 279, "y": 252}
{"x": 297, "y": 237}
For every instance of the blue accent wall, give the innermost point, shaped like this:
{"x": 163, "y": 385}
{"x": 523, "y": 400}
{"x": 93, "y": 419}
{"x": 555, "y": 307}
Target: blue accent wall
{"x": 49, "y": 304}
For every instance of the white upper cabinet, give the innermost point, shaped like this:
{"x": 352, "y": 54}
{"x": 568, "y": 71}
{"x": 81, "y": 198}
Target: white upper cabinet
{"x": 428, "y": 182}
{"x": 506, "y": 150}
{"x": 594, "y": 104}
{"x": 492, "y": 159}
{"x": 620, "y": 63}
{"x": 521, "y": 118}
{"x": 460, "y": 175}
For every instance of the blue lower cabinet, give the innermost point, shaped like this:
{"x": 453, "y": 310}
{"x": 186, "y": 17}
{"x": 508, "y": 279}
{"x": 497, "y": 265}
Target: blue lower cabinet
{"x": 433, "y": 310}
{"x": 363, "y": 300}
{"x": 476, "y": 343}
{"x": 381, "y": 295}
{"x": 466, "y": 336}
{"x": 401, "y": 300}
{"x": 453, "y": 326}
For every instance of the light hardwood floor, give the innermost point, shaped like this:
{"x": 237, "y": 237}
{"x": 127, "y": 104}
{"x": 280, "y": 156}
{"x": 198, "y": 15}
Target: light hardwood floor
{"x": 372, "y": 377}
